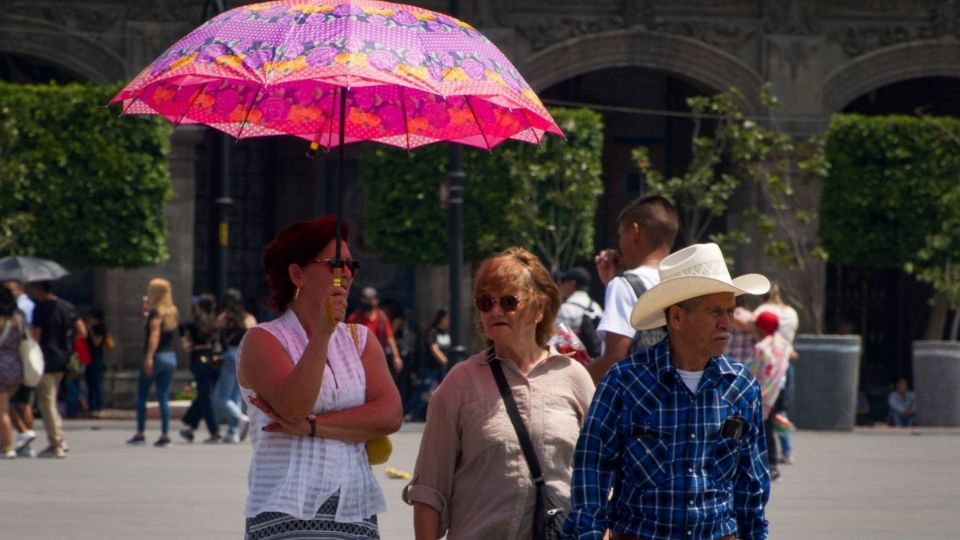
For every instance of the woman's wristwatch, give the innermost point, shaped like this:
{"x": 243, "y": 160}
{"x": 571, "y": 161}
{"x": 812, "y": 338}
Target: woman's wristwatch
{"x": 313, "y": 425}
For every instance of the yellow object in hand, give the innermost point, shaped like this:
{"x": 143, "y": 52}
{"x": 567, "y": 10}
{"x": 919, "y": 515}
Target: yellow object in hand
{"x": 397, "y": 473}
{"x": 379, "y": 450}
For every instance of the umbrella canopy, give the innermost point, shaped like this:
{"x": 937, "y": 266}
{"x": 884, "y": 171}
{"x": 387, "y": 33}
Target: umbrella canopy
{"x": 401, "y": 75}
{"x": 27, "y": 269}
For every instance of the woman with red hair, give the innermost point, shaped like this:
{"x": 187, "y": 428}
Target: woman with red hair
{"x": 321, "y": 389}
{"x": 474, "y": 478}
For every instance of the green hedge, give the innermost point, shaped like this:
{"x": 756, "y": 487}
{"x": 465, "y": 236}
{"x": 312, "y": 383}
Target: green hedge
{"x": 81, "y": 184}
{"x": 888, "y": 189}
{"x": 518, "y": 194}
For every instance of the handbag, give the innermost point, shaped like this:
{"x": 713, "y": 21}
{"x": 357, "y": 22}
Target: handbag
{"x": 31, "y": 358}
{"x": 550, "y": 510}
{"x": 212, "y": 355}
{"x": 379, "y": 449}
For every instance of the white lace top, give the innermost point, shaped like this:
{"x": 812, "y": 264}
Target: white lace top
{"x": 295, "y": 475}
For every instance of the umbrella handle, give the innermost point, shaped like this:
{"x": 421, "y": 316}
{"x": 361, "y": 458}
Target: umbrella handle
{"x": 337, "y": 282}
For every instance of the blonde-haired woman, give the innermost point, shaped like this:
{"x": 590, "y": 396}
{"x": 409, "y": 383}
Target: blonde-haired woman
{"x": 159, "y": 357}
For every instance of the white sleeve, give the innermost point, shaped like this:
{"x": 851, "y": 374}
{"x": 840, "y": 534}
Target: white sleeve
{"x": 570, "y": 315}
{"x": 618, "y": 301}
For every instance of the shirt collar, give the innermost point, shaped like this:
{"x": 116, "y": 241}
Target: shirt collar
{"x": 716, "y": 366}
{"x": 490, "y": 354}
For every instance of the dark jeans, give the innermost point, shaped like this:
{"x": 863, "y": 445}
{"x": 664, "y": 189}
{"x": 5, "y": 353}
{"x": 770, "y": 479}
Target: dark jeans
{"x": 202, "y": 407}
{"x": 416, "y": 404}
{"x": 94, "y": 377}
{"x": 773, "y": 457}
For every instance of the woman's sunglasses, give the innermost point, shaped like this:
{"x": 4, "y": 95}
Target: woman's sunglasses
{"x": 352, "y": 264}
{"x": 508, "y": 303}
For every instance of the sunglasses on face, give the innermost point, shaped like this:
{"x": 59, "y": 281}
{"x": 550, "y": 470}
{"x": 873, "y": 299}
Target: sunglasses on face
{"x": 508, "y": 303}
{"x": 352, "y": 264}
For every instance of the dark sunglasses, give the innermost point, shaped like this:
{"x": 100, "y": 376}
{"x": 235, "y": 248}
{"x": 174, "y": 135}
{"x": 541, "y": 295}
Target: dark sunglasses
{"x": 352, "y": 264}
{"x": 508, "y": 303}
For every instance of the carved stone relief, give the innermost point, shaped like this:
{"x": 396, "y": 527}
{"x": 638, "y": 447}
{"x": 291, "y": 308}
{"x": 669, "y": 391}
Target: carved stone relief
{"x": 71, "y": 16}
{"x": 942, "y": 20}
{"x": 790, "y": 17}
{"x": 727, "y": 34}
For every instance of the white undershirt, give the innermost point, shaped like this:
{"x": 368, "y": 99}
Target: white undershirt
{"x": 691, "y": 379}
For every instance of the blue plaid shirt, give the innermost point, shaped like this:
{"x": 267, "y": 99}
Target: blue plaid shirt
{"x": 659, "y": 448}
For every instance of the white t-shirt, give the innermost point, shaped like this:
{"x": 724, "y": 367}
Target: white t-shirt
{"x": 691, "y": 379}
{"x": 619, "y": 301}
{"x": 572, "y": 310}
{"x": 789, "y": 320}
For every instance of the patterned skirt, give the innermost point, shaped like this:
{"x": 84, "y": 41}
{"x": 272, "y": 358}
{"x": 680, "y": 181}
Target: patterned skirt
{"x": 275, "y": 525}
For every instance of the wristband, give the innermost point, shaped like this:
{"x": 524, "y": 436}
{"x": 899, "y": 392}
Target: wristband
{"x": 313, "y": 425}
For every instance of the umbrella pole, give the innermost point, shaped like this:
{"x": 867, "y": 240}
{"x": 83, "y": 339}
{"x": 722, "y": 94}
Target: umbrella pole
{"x": 338, "y": 192}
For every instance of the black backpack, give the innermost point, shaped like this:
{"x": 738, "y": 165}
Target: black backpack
{"x": 588, "y": 334}
{"x": 643, "y": 339}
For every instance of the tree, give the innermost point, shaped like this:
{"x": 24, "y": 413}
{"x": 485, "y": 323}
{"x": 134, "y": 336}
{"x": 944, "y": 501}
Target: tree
{"x": 12, "y": 174}
{"x": 558, "y": 185}
{"x": 540, "y": 197}
{"x": 743, "y": 151}
{"x": 81, "y": 185}
{"x": 892, "y": 200}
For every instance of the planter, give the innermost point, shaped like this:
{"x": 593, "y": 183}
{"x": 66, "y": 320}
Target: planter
{"x": 826, "y": 377}
{"x": 936, "y": 381}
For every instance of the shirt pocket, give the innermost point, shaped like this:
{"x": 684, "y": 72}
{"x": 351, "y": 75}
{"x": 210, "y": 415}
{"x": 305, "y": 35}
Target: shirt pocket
{"x": 726, "y": 452}
{"x": 647, "y": 459}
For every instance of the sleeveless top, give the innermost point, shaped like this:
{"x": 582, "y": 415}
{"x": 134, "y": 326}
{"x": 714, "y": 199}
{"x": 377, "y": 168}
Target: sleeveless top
{"x": 296, "y": 475}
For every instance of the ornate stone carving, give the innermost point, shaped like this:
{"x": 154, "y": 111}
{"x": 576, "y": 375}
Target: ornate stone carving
{"x": 790, "y": 17}
{"x": 859, "y": 40}
{"x": 634, "y": 14}
{"x": 543, "y": 33}
{"x": 943, "y": 21}
{"x": 724, "y": 36}
{"x": 74, "y": 17}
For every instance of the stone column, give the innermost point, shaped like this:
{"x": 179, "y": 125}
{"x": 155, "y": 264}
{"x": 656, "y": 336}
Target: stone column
{"x": 120, "y": 291}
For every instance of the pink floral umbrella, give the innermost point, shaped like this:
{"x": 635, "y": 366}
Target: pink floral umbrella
{"x": 335, "y": 72}
{"x": 407, "y": 76}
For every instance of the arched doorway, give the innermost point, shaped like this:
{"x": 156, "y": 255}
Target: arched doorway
{"x": 887, "y": 307}
{"x": 636, "y": 104}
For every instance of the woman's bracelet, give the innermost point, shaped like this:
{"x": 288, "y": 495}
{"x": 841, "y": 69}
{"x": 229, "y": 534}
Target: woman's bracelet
{"x": 313, "y": 425}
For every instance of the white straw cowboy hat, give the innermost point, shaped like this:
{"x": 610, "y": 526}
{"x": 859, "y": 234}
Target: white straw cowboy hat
{"x": 696, "y": 270}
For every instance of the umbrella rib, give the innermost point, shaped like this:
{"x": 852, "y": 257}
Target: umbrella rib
{"x": 477, "y": 120}
{"x": 243, "y": 124}
{"x": 403, "y": 109}
{"x": 189, "y": 105}
{"x": 523, "y": 112}
{"x": 128, "y": 105}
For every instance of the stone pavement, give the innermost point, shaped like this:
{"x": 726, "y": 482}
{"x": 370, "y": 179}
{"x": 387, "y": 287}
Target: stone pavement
{"x": 871, "y": 484}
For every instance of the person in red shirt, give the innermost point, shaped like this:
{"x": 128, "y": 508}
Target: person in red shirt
{"x": 377, "y": 321}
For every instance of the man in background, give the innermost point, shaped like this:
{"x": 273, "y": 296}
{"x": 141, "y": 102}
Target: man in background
{"x": 647, "y": 230}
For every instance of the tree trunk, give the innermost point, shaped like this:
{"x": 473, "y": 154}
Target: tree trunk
{"x": 938, "y": 317}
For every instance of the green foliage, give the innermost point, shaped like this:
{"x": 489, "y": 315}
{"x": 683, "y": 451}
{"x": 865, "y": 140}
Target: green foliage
{"x": 740, "y": 150}
{"x": 892, "y": 198}
{"x": 80, "y": 184}
{"x": 541, "y": 197}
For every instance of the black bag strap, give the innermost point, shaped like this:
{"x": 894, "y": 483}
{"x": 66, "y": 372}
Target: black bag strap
{"x": 515, "y": 419}
{"x": 638, "y": 287}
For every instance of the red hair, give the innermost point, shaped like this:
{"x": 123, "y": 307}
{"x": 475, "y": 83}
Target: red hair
{"x": 297, "y": 244}
{"x": 517, "y": 268}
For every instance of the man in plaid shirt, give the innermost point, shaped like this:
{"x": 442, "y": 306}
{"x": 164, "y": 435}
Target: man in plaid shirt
{"x": 673, "y": 445}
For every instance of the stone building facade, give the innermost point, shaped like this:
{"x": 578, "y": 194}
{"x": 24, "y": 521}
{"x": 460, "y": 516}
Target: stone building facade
{"x": 634, "y": 57}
